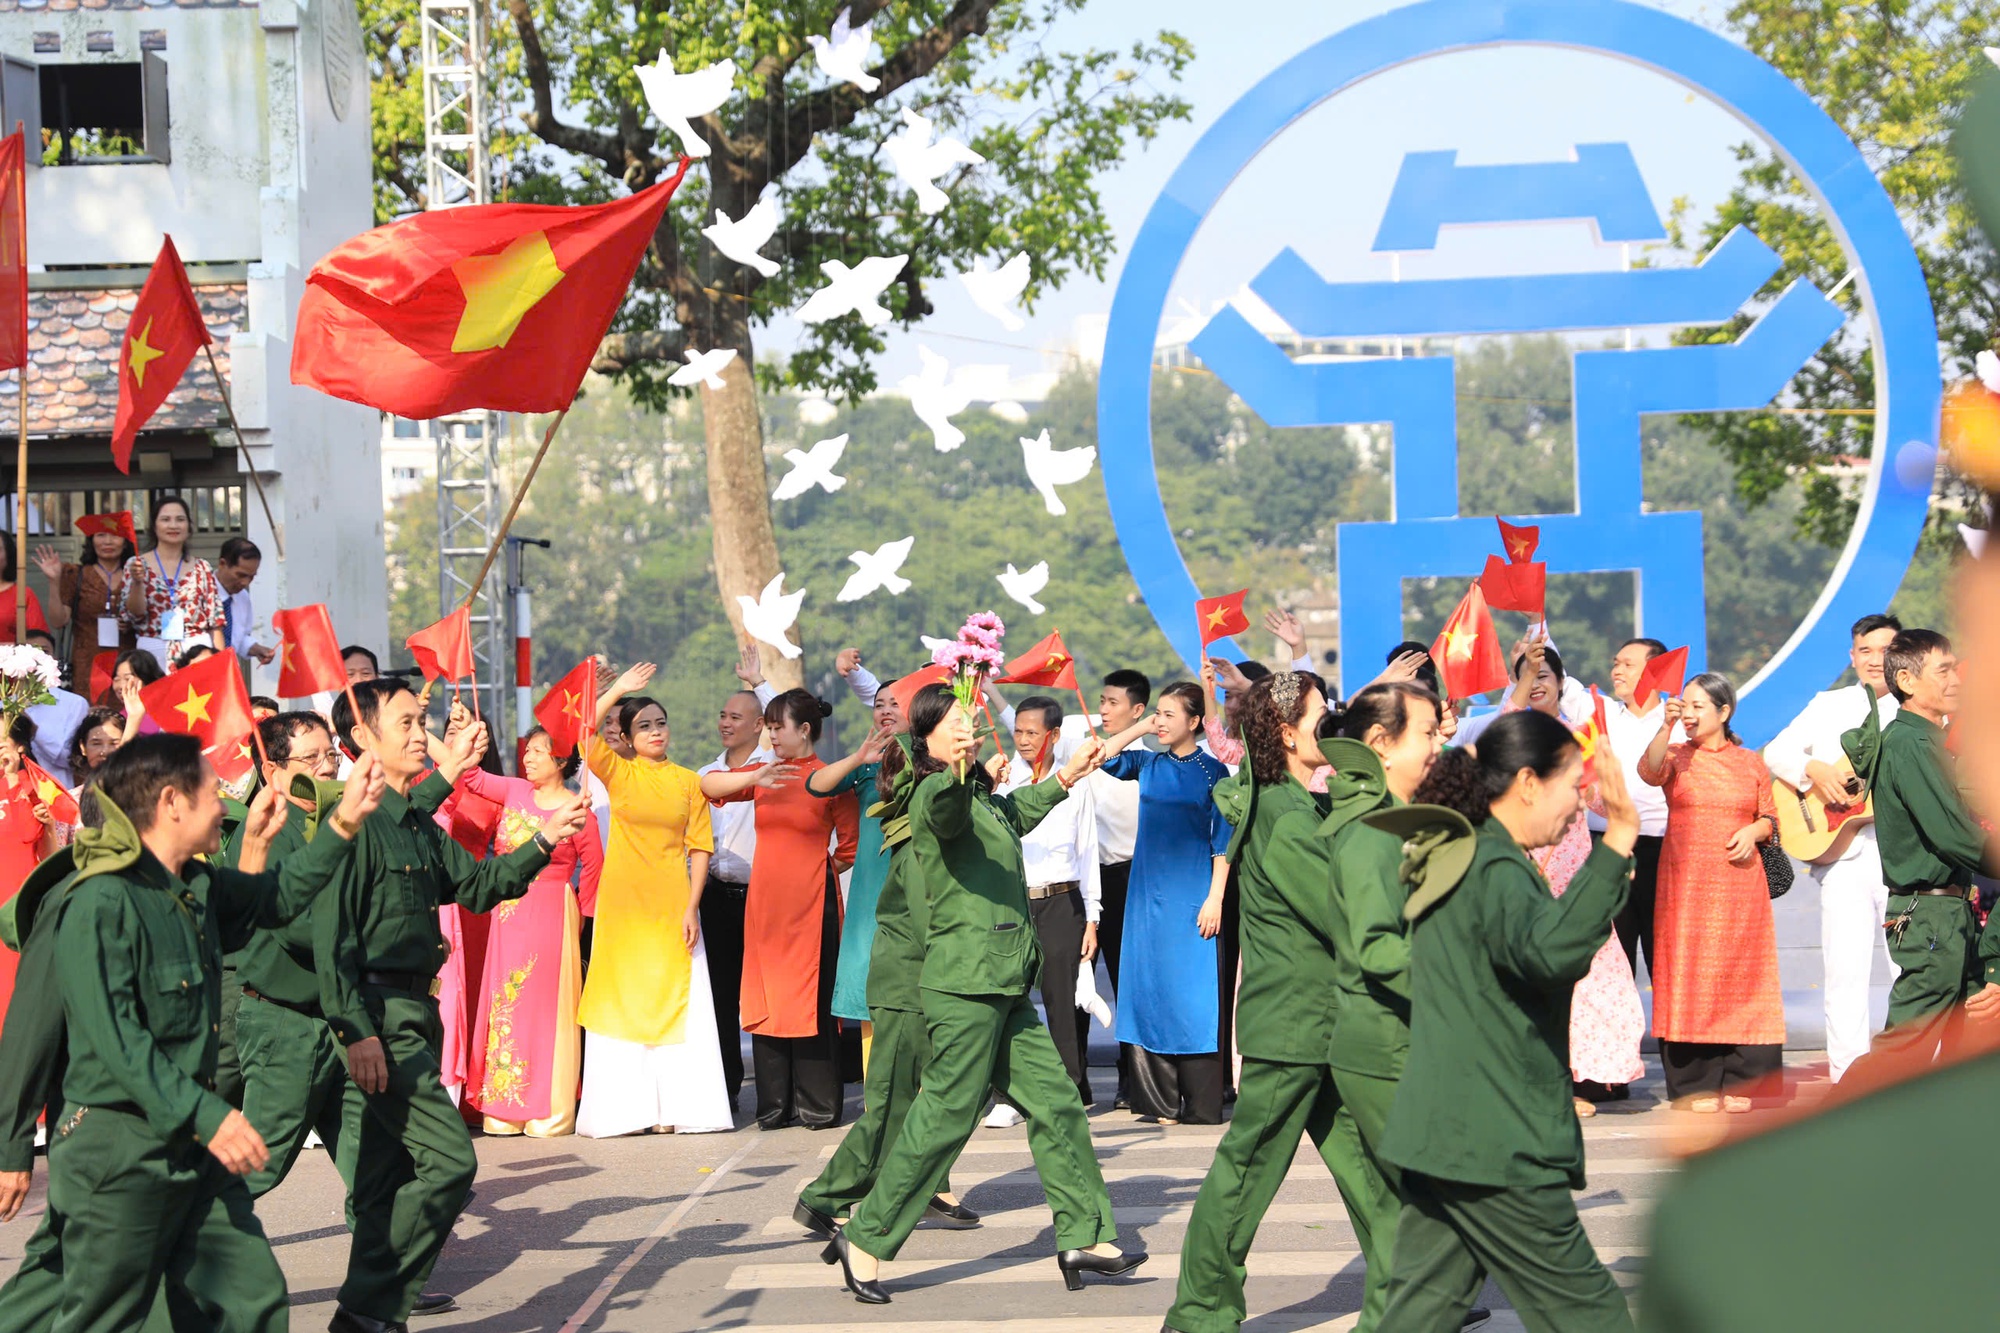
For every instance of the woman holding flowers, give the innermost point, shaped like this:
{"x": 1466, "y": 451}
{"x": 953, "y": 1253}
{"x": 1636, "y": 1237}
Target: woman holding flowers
{"x": 980, "y": 959}
{"x": 791, "y": 921}
{"x": 28, "y": 676}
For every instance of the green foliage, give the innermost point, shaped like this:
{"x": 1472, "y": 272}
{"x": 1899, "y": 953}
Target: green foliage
{"x": 630, "y": 572}
{"x": 1892, "y": 75}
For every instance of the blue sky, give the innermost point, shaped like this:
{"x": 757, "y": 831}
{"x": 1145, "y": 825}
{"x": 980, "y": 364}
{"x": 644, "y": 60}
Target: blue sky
{"x": 1321, "y": 186}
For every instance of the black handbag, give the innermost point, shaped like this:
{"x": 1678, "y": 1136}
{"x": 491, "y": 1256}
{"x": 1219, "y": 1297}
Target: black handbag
{"x": 1778, "y": 873}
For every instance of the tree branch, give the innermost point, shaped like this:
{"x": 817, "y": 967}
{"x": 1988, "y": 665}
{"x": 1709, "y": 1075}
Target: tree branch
{"x": 542, "y": 120}
{"x": 622, "y": 351}
{"x": 836, "y": 107}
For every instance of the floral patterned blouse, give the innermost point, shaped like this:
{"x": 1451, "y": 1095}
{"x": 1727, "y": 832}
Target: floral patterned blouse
{"x": 200, "y": 596}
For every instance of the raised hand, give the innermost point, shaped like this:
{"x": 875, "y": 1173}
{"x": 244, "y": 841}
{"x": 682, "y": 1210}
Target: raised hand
{"x": 365, "y": 785}
{"x": 1230, "y": 676}
{"x": 568, "y": 819}
{"x": 750, "y": 665}
{"x": 267, "y": 813}
{"x": 1403, "y": 666}
{"x": 846, "y": 661}
{"x": 638, "y": 676}
{"x": 1089, "y": 757}
{"x": 1283, "y": 625}
{"x": 1670, "y": 714}
{"x": 777, "y": 773}
{"x": 1621, "y": 816}
{"x": 876, "y": 745}
{"x": 49, "y": 563}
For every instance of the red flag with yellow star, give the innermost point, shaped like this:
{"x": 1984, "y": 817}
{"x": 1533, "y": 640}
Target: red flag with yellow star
{"x": 1222, "y": 616}
{"x": 62, "y": 806}
{"x": 165, "y": 331}
{"x": 1468, "y": 652}
{"x": 308, "y": 653}
{"x": 568, "y": 712}
{"x": 1519, "y": 539}
{"x": 491, "y": 306}
{"x": 206, "y": 701}
{"x": 1047, "y": 664}
{"x": 1593, "y": 735}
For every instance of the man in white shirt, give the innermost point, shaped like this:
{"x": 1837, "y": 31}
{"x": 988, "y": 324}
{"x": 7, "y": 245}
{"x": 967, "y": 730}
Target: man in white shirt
{"x": 1852, "y": 898}
{"x": 1120, "y": 703}
{"x": 1059, "y": 858}
{"x": 236, "y": 568}
{"x": 56, "y": 723}
{"x": 1633, "y": 721}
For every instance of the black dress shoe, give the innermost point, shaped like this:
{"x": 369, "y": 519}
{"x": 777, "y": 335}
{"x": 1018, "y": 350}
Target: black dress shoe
{"x": 1476, "y": 1316}
{"x": 434, "y": 1302}
{"x": 951, "y": 1216}
{"x": 813, "y": 1220}
{"x": 348, "y": 1321}
{"x": 868, "y": 1293}
{"x": 1075, "y": 1263}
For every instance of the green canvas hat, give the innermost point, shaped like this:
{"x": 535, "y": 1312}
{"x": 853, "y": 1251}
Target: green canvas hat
{"x": 1358, "y": 784}
{"x": 1437, "y": 851}
{"x": 1863, "y": 745}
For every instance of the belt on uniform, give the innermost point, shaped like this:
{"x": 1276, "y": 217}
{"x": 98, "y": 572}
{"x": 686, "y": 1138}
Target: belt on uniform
{"x": 1037, "y": 892}
{"x": 729, "y": 884}
{"x": 310, "y": 1009}
{"x": 410, "y": 983}
{"x": 1949, "y": 891}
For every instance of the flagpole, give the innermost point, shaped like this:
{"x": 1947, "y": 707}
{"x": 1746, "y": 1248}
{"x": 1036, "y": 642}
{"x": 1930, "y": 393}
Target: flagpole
{"x": 507, "y": 523}
{"x": 277, "y": 532}
{"x": 21, "y": 461}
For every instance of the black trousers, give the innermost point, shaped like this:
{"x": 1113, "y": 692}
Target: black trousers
{"x": 722, "y": 931}
{"x": 1229, "y": 950}
{"x": 1113, "y": 880}
{"x": 1059, "y": 927}
{"x": 1187, "y": 1088}
{"x": 798, "y": 1078}
{"x": 1700, "y": 1068}
{"x": 1634, "y": 923}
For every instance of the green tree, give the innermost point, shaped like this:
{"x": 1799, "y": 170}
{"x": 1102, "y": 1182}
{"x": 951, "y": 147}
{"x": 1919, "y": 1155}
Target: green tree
{"x": 1892, "y": 75}
{"x": 1046, "y": 120}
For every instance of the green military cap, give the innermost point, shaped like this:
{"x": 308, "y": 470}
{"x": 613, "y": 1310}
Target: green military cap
{"x": 1437, "y": 851}
{"x": 893, "y": 810}
{"x": 1358, "y": 784}
{"x": 1863, "y": 745}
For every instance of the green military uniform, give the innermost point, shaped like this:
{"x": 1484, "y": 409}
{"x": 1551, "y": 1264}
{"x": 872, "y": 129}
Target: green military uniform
{"x": 901, "y": 1046}
{"x": 1483, "y": 1127}
{"x": 1286, "y": 1016}
{"x": 1931, "y": 848}
{"x": 377, "y": 949}
{"x": 134, "y": 1194}
{"x": 980, "y": 959}
{"x": 228, "y": 1067}
{"x": 293, "y": 1076}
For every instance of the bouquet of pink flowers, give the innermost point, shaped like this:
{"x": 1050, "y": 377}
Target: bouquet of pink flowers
{"x": 973, "y": 657}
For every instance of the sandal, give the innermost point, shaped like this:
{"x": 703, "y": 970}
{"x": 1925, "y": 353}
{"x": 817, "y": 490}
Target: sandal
{"x": 1708, "y": 1105}
{"x": 1736, "y": 1105}
{"x": 1584, "y": 1108}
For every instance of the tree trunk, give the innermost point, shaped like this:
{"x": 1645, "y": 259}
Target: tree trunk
{"x": 739, "y": 494}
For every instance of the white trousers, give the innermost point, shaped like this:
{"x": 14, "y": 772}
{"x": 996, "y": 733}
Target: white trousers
{"x": 1852, "y": 901}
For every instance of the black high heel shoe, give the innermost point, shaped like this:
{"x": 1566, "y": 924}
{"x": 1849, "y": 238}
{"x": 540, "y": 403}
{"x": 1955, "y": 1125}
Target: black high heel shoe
{"x": 813, "y": 1220}
{"x": 868, "y": 1293}
{"x": 952, "y": 1216}
{"x": 1075, "y": 1263}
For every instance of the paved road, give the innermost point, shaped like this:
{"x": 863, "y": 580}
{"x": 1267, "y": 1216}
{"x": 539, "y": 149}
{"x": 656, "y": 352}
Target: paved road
{"x": 659, "y": 1234}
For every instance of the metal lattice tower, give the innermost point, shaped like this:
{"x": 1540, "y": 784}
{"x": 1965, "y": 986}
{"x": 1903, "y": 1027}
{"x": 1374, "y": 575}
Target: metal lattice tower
{"x": 457, "y": 171}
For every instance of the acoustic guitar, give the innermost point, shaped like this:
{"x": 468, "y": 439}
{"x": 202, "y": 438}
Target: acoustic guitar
{"x": 1815, "y": 832}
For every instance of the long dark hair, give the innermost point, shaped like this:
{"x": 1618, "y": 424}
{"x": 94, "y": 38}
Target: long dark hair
{"x": 1723, "y": 695}
{"x": 1262, "y": 718}
{"x": 79, "y": 766}
{"x": 931, "y": 706}
{"x": 801, "y": 708}
{"x": 153, "y": 518}
{"x": 1471, "y": 780}
{"x": 1385, "y": 704}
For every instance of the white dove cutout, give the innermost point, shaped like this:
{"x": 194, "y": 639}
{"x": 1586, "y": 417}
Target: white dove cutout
{"x": 1987, "y": 366}
{"x": 1049, "y": 467}
{"x": 878, "y": 571}
{"x": 1974, "y": 539}
{"x": 918, "y": 161}
{"x": 813, "y": 467}
{"x": 936, "y": 398}
{"x": 1023, "y": 584}
{"x": 853, "y": 289}
{"x": 996, "y": 290}
{"x": 740, "y": 240}
{"x": 844, "y": 54}
{"x": 774, "y": 612}
{"x": 702, "y": 368}
{"x": 678, "y": 98}
{"x": 932, "y": 645}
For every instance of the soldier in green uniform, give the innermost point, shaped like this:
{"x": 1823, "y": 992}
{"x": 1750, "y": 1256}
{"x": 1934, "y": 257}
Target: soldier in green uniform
{"x": 1483, "y": 1128}
{"x": 980, "y": 959}
{"x": 146, "y": 1159}
{"x": 901, "y": 1046}
{"x": 1931, "y": 846}
{"x": 376, "y": 950}
{"x": 1285, "y": 1017}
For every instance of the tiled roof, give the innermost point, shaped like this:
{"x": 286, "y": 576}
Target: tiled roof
{"x": 57, "y": 6}
{"x": 73, "y": 342}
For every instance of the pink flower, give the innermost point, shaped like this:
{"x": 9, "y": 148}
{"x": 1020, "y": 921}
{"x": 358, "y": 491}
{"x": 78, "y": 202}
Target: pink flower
{"x": 980, "y": 635}
{"x": 985, "y": 620}
{"x": 988, "y": 658}
{"x": 951, "y": 655}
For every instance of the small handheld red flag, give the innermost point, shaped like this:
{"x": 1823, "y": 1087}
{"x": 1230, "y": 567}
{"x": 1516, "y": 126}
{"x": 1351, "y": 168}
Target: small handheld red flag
{"x": 444, "y": 650}
{"x": 1222, "y": 616}
{"x": 1467, "y": 650}
{"x": 1519, "y": 587}
{"x": 905, "y": 689}
{"x": 568, "y": 712}
{"x": 1666, "y": 672}
{"x": 118, "y": 524}
{"x": 101, "y": 667}
{"x": 1047, "y": 664}
{"x": 308, "y": 653}
{"x": 1594, "y": 734}
{"x": 165, "y": 331}
{"x": 1519, "y": 540}
{"x": 62, "y": 806}
{"x": 206, "y": 701}
{"x": 14, "y": 251}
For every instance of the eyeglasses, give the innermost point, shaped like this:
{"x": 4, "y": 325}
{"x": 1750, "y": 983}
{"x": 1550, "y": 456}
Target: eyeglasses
{"x": 310, "y": 759}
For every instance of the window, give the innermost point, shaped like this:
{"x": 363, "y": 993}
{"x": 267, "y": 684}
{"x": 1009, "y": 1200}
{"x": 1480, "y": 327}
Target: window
{"x": 406, "y": 473}
{"x": 106, "y": 112}
{"x": 407, "y": 429}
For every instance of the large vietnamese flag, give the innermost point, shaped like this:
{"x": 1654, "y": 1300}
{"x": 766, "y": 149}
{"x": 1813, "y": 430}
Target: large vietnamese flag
{"x": 164, "y": 333}
{"x": 489, "y": 306}
{"x": 206, "y": 701}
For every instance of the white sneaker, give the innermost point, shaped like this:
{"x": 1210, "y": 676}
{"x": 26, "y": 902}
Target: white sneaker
{"x": 1002, "y": 1116}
